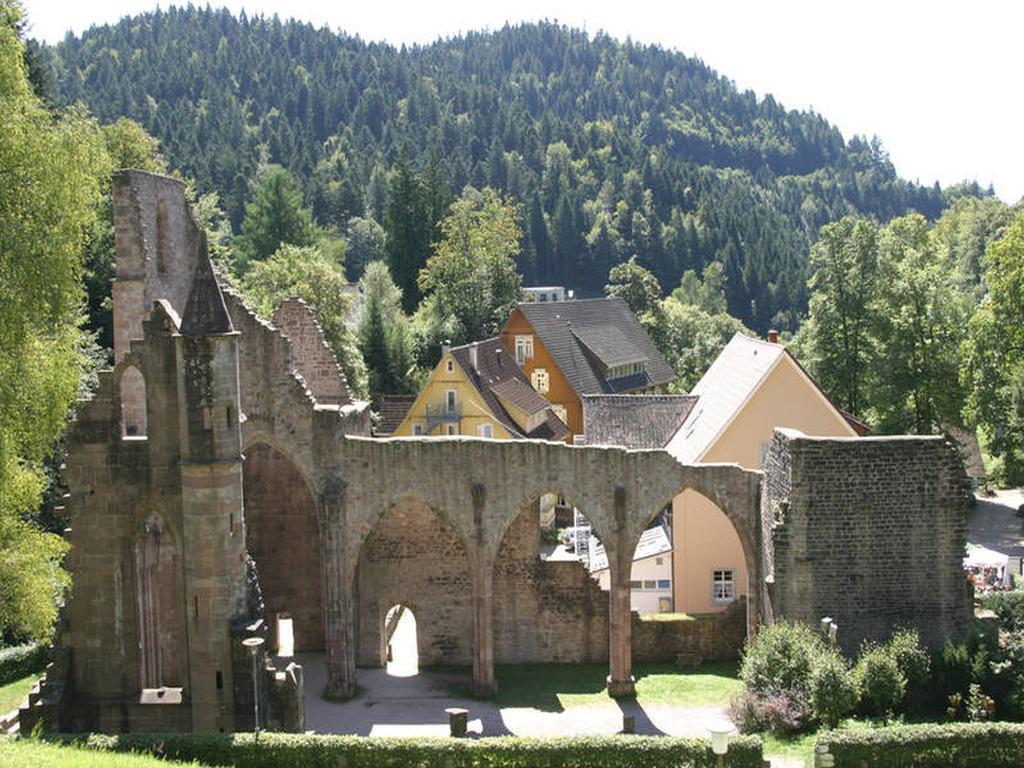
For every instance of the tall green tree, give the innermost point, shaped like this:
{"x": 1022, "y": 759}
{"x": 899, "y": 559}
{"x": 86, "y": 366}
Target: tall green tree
{"x": 472, "y": 275}
{"x": 408, "y": 227}
{"x": 837, "y": 341}
{"x": 635, "y": 285}
{"x": 364, "y": 243}
{"x": 384, "y": 335}
{"x": 320, "y": 281}
{"x": 52, "y": 172}
{"x": 274, "y": 217}
{"x": 993, "y": 356}
{"x": 921, "y": 316}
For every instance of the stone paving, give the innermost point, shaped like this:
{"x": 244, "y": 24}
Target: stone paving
{"x": 993, "y": 523}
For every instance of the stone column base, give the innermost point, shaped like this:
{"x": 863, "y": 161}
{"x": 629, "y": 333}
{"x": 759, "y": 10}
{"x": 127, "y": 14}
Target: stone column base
{"x": 619, "y": 689}
{"x": 482, "y": 689}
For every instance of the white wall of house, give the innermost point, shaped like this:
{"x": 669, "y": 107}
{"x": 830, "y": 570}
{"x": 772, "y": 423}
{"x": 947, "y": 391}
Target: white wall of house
{"x": 651, "y": 580}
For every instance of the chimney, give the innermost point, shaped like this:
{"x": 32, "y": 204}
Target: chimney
{"x": 473, "y": 357}
{"x": 773, "y": 336}
{"x": 446, "y": 347}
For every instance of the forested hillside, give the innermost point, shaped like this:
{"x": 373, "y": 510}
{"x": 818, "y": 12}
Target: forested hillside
{"x": 611, "y": 149}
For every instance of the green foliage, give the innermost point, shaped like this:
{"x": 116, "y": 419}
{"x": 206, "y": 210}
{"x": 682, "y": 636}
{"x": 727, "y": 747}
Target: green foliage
{"x": 910, "y": 656}
{"x": 21, "y": 660}
{"x": 52, "y": 170}
{"x": 274, "y": 217}
{"x": 881, "y": 682}
{"x": 635, "y": 285}
{"x": 968, "y": 745}
{"x": 364, "y": 243}
{"x": 781, "y": 658}
{"x": 690, "y": 338}
{"x": 385, "y": 339}
{"x": 472, "y": 275}
{"x": 1008, "y": 606}
{"x": 613, "y": 148}
{"x": 993, "y": 364}
{"x": 320, "y": 282}
{"x": 276, "y": 749}
{"x": 834, "y": 689}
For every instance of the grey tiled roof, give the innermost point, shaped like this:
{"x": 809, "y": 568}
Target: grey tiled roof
{"x": 654, "y": 541}
{"x": 587, "y": 335}
{"x": 393, "y": 409}
{"x": 495, "y": 366}
{"x": 634, "y": 421}
{"x": 521, "y": 395}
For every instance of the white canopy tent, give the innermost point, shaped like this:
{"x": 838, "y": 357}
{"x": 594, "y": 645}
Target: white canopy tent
{"x": 980, "y": 559}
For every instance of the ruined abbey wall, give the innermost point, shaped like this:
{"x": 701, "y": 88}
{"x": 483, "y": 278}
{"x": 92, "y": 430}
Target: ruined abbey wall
{"x": 867, "y": 531}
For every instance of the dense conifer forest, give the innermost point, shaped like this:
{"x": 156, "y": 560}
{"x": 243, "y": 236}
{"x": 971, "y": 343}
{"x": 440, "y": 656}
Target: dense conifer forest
{"x": 611, "y": 149}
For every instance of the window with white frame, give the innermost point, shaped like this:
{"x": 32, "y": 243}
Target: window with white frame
{"x": 723, "y": 586}
{"x": 485, "y": 430}
{"x": 540, "y": 380}
{"x": 449, "y": 401}
{"x": 417, "y": 429}
{"x": 524, "y": 349}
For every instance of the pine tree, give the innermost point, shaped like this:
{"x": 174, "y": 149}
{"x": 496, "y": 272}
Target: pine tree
{"x": 275, "y": 217}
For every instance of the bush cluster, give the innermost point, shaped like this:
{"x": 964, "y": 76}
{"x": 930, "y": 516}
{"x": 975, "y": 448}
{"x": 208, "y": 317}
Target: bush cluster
{"x": 273, "y": 750}
{"x": 793, "y": 679}
{"x": 20, "y": 660}
{"x": 966, "y": 745}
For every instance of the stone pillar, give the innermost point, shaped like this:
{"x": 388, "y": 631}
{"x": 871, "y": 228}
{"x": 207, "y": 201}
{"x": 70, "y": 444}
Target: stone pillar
{"x": 482, "y": 581}
{"x": 337, "y": 578}
{"x": 620, "y": 615}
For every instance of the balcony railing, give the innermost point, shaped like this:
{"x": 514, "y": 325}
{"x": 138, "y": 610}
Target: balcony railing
{"x": 442, "y": 413}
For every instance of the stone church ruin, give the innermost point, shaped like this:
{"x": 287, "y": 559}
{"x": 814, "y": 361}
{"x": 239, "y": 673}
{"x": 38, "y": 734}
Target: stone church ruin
{"x": 222, "y": 476}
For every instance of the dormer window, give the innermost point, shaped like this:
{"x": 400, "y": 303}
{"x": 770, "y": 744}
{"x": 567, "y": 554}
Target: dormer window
{"x": 621, "y": 371}
{"x": 524, "y": 349}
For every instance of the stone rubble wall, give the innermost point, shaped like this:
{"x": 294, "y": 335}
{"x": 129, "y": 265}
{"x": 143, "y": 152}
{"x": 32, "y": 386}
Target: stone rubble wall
{"x": 869, "y": 531}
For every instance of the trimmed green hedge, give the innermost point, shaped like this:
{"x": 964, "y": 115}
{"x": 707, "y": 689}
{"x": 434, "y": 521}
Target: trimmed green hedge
{"x": 965, "y": 745}
{"x": 274, "y": 750}
{"x": 19, "y": 661}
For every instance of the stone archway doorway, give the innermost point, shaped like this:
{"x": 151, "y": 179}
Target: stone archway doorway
{"x": 402, "y": 658}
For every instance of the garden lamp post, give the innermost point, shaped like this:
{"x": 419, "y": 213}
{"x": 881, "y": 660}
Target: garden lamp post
{"x": 253, "y": 644}
{"x": 720, "y": 731}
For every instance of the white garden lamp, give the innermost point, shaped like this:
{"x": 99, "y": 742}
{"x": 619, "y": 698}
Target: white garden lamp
{"x": 720, "y": 731}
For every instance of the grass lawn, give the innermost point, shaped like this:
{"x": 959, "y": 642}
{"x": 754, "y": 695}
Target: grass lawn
{"x": 12, "y": 693}
{"x": 18, "y": 753}
{"x": 556, "y": 687}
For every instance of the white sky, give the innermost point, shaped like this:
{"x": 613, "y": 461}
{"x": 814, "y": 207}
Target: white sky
{"x": 939, "y": 82}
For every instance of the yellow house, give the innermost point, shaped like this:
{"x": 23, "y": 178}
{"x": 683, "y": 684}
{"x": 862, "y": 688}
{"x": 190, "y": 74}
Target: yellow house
{"x": 752, "y": 387}
{"x": 478, "y": 390}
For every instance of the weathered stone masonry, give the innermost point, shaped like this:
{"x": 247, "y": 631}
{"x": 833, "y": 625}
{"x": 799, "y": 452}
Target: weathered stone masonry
{"x": 245, "y": 443}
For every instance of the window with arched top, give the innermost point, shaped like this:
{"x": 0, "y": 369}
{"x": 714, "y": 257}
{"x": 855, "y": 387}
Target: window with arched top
{"x": 133, "y": 403}
{"x": 163, "y": 238}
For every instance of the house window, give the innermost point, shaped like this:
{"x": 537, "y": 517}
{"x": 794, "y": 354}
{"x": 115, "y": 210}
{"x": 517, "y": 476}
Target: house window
{"x": 621, "y": 371}
{"x": 484, "y": 430}
{"x": 764, "y": 452}
{"x": 524, "y": 349}
{"x": 540, "y": 380}
{"x": 664, "y": 584}
{"x": 449, "y": 401}
{"x": 723, "y": 586}
{"x": 417, "y": 429}
{"x": 658, "y": 561}
{"x": 636, "y": 584}
{"x": 650, "y": 584}
{"x": 450, "y": 366}
{"x": 451, "y": 429}
{"x": 560, "y": 412}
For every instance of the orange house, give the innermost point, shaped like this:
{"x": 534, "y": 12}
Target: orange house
{"x": 570, "y": 349}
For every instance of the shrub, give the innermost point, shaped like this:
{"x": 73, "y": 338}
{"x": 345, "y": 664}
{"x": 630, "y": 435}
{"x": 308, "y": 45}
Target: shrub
{"x": 780, "y": 712}
{"x": 966, "y": 745}
{"x": 780, "y": 658}
{"x": 321, "y": 751}
{"x": 19, "y": 661}
{"x": 1008, "y": 606}
{"x": 834, "y": 691}
{"x": 881, "y": 682}
{"x": 911, "y": 658}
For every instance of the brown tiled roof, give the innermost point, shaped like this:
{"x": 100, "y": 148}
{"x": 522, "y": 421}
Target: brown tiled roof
{"x": 634, "y": 421}
{"x": 393, "y": 409}
{"x": 587, "y": 336}
{"x": 495, "y": 366}
{"x": 970, "y": 451}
